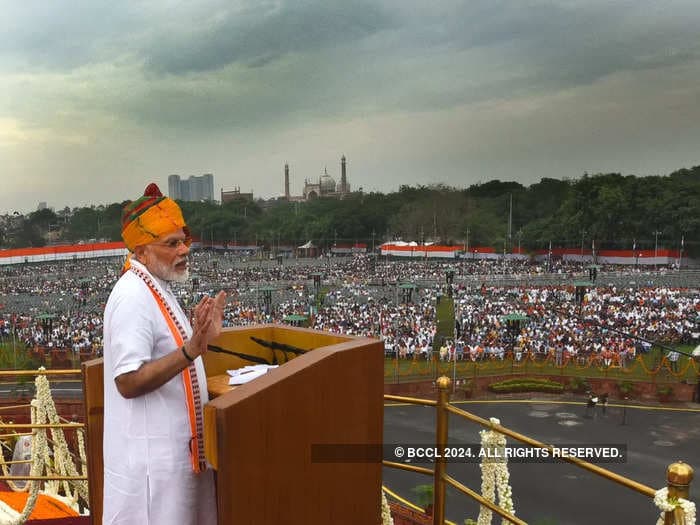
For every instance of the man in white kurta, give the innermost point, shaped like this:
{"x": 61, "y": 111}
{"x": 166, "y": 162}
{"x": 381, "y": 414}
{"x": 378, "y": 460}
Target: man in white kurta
{"x": 146, "y": 456}
{"x": 148, "y": 473}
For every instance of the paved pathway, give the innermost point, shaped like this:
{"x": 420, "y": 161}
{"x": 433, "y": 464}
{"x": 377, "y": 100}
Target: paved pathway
{"x": 560, "y": 493}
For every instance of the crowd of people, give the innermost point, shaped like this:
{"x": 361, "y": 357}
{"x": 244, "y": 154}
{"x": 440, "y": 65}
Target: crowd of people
{"x": 59, "y": 305}
{"x": 610, "y": 325}
{"x": 55, "y": 306}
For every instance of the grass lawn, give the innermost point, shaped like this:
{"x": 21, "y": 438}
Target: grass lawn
{"x": 15, "y": 357}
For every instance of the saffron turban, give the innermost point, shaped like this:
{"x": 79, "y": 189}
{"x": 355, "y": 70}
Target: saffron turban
{"x": 150, "y": 217}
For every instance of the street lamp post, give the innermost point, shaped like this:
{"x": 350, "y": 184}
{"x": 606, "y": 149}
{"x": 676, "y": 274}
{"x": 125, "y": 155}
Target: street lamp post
{"x": 656, "y": 248}
{"x": 386, "y": 255}
{"x": 504, "y": 257}
{"x": 14, "y": 341}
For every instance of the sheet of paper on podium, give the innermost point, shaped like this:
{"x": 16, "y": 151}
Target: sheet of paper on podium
{"x": 241, "y": 376}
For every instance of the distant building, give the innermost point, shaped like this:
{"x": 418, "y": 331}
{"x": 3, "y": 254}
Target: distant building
{"x": 174, "y": 187}
{"x": 344, "y": 185}
{"x": 235, "y": 195}
{"x": 42, "y": 206}
{"x": 325, "y": 187}
{"x": 193, "y": 189}
{"x": 286, "y": 181}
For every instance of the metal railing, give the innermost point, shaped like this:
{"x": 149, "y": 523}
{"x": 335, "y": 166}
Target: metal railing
{"x": 65, "y": 424}
{"x": 679, "y": 475}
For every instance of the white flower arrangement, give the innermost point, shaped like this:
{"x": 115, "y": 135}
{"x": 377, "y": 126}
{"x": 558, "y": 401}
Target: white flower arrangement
{"x": 39, "y": 452}
{"x": 386, "y": 512}
{"x": 8, "y": 515}
{"x": 63, "y": 462}
{"x": 43, "y": 411}
{"x": 495, "y": 476}
{"x": 81, "y": 452}
{"x": 663, "y": 502}
{"x": 4, "y": 466}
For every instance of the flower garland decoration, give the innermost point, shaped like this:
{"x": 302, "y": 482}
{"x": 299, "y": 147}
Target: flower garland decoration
{"x": 81, "y": 452}
{"x": 386, "y": 512}
{"x": 43, "y": 411}
{"x": 7, "y": 514}
{"x": 495, "y": 476}
{"x": 13, "y": 439}
{"x": 63, "y": 463}
{"x": 663, "y": 502}
{"x": 39, "y": 452}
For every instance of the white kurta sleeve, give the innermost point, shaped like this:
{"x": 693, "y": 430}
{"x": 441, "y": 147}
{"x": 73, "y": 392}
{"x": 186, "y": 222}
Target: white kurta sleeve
{"x": 132, "y": 334}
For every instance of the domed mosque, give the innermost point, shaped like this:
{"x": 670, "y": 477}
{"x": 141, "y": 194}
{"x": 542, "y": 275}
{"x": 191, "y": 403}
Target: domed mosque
{"x": 327, "y": 183}
{"x": 326, "y": 187}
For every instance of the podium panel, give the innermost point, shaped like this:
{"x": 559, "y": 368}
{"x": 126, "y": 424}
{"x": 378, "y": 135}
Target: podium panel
{"x": 260, "y": 436}
{"x": 93, "y": 394}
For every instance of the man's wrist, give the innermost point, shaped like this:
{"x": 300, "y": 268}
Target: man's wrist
{"x": 183, "y": 348}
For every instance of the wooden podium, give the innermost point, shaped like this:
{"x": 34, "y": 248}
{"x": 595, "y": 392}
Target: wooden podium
{"x": 260, "y": 436}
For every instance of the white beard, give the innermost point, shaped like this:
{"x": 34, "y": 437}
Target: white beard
{"x": 181, "y": 277}
{"x": 169, "y": 274}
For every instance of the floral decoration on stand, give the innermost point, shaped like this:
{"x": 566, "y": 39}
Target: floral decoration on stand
{"x": 63, "y": 462}
{"x": 662, "y": 501}
{"x": 386, "y": 512}
{"x": 44, "y": 461}
{"x": 495, "y": 476}
{"x": 39, "y": 453}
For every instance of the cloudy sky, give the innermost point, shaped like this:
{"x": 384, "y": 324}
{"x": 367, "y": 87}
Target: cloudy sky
{"x": 97, "y": 98}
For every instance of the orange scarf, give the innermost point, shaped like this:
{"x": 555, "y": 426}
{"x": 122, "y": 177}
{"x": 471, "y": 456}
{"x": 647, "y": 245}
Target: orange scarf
{"x": 189, "y": 377}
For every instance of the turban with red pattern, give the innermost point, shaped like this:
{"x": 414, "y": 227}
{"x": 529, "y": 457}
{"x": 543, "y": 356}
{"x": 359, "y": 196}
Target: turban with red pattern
{"x": 150, "y": 217}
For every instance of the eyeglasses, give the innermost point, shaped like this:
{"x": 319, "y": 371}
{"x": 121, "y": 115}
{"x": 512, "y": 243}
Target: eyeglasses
{"x": 174, "y": 244}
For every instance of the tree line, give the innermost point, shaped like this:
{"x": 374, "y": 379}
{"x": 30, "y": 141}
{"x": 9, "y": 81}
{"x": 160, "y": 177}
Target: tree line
{"x": 613, "y": 210}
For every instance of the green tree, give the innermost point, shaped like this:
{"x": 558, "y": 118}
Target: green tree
{"x": 84, "y": 224}
{"x": 613, "y": 209}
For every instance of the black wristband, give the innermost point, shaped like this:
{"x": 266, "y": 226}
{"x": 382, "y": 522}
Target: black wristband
{"x": 190, "y": 359}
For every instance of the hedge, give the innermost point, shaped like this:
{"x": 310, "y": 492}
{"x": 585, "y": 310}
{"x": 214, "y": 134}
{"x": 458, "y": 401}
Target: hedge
{"x": 527, "y": 385}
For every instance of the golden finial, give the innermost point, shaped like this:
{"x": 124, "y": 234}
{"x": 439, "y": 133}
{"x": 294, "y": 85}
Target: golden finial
{"x": 443, "y": 383}
{"x": 679, "y": 474}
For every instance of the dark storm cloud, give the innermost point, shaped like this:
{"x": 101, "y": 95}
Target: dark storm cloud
{"x": 300, "y": 61}
{"x": 554, "y": 45}
{"x": 454, "y": 88}
{"x": 59, "y": 36}
{"x": 263, "y": 33}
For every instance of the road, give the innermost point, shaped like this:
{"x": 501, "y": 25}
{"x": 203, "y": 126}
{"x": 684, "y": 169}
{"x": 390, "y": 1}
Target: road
{"x": 558, "y": 493}
{"x": 66, "y": 389}
{"x": 544, "y": 493}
